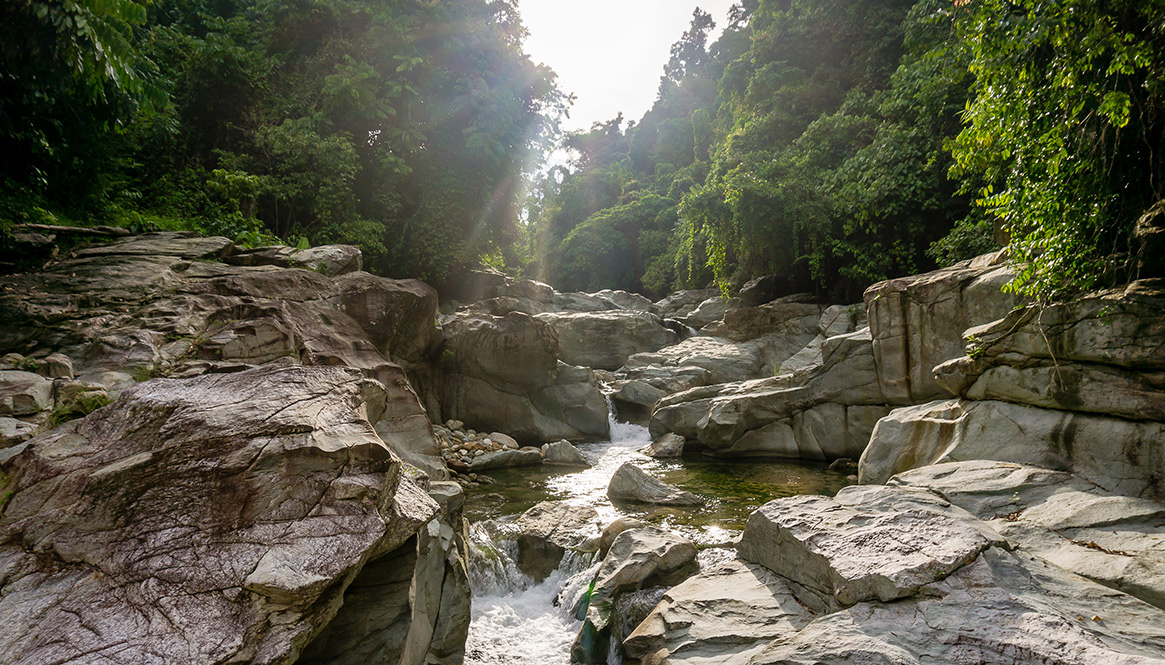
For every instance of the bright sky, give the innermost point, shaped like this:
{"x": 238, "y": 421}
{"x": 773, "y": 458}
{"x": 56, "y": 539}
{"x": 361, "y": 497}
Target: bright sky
{"x": 610, "y": 53}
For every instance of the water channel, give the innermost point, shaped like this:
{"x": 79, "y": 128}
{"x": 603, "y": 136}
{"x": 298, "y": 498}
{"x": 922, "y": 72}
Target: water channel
{"x": 519, "y": 622}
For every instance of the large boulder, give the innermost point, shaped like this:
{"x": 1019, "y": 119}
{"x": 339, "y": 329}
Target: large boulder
{"x": 917, "y": 322}
{"x": 399, "y": 316}
{"x": 1110, "y": 539}
{"x": 1120, "y": 455}
{"x": 629, "y": 483}
{"x": 184, "y": 522}
{"x": 724, "y": 614}
{"x": 638, "y": 558}
{"x": 825, "y": 411}
{"x": 1096, "y": 354}
{"x": 24, "y": 393}
{"x": 503, "y": 373}
{"x": 332, "y": 260}
{"x": 550, "y": 529}
{"x": 682, "y": 303}
{"x": 604, "y": 340}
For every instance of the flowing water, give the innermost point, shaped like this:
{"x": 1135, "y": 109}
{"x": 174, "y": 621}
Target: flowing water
{"x": 519, "y": 622}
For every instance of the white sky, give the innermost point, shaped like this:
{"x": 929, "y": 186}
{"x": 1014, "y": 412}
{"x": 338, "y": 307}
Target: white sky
{"x": 610, "y": 53}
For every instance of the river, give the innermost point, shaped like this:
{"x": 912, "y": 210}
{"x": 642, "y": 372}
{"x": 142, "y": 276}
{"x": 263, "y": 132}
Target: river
{"x": 519, "y": 622}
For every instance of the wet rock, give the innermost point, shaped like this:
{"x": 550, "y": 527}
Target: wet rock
{"x": 638, "y": 558}
{"x": 630, "y": 483}
{"x": 131, "y": 539}
{"x": 548, "y": 530}
{"x": 666, "y": 446}
{"x": 562, "y": 453}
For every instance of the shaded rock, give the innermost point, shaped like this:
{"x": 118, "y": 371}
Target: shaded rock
{"x": 917, "y": 322}
{"x": 503, "y": 374}
{"x": 562, "y": 453}
{"x": 503, "y": 459}
{"x": 548, "y": 530}
{"x": 638, "y": 558}
{"x": 399, "y": 316}
{"x": 178, "y": 244}
{"x": 630, "y": 483}
{"x": 132, "y": 539}
{"x": 604, "y": 340}
{"x": 842, "y": 550}
{"x": 56, "y": 366}
{"x": 1120, "y": 455}
{"x": 724, "y": 614}
{"x": 668, "y": 445}
{"x": 758, "y": 291}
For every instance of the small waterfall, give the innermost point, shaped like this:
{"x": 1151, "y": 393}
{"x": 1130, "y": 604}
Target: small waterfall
{"x": 625, "y": 433}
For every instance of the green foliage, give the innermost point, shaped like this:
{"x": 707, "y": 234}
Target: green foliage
{"x": 1065, "y": 129}
{"x": 80, "y": 406}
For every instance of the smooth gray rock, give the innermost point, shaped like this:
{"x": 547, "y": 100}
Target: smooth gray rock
{"x": 1122, "y": 456}
{"x": 709, "y": 311}
{"x": 852, "y": 553}
{"x": 13, "y": 431}
{"x": 918, "y": 322}
{"x": 1114, "y": 540}
{"x": 503, "y": 459}
{"x": 630, "y": 483}
{"x": 563, "y": 453}
{"x": 24, "y": 393}
{"x": 604, "y": 340}
{"x": 666, "y": 446}
{"x": 332, "y": 260}
{"x": 132, "y": 541}
{"x": 1003, "y": 609}
{"x": 681, "y": 303}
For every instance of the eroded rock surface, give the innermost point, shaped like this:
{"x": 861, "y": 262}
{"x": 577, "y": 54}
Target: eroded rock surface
{"x": 630, "y": 483}
{"x": 185, "y": 522}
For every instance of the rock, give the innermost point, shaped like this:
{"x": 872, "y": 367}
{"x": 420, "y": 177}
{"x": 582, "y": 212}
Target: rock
{"x": 668, "y": 445}
{"x": 709, "y": 311}
{"x": 917, "y": 322}
{"x": 758, "y": 291}
{"x": 823, "y": 413}
{"x": 183, "y": 245}
{"x": 332, "y": 260}
{"x": 612, "y": 530}
{"x": 24, "y": 393}
{"x": 1095, "y": 354}
{"x": 630, "y": 483}
{"x": 843, "y": 552}
{"x": 638, "y": 558}
{"x": 1120, "y": 455}
{"x": 625, "y": 300}
{"x": 562, "y": 453}
{"x": 548, "y": 530}
{"x": 503, "y": 374}
{"x": 131, "y": 539}
{"x": 399, "y": 316}
{"x": 1149, "y": 242}
{"x": 503, "y": 459}
{"x": 796, "y": 322}
{"x": 1003, "y": 608}
{"x": 724, "y": 614}
{"x": 844, "y": 465}
{"x": 504, "y": 440}
{"x": 681, "y": 303}
{"x": 1063, "y": 519}
{"x": 604, "y": 340}
{"x": 13, "y": 431}
{"x": 56, "y": 366}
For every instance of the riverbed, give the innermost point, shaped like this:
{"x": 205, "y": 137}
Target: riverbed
{"x": 519, "y": 622}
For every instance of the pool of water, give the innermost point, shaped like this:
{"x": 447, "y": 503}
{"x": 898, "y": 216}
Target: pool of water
{"x": 516, "y": 621}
